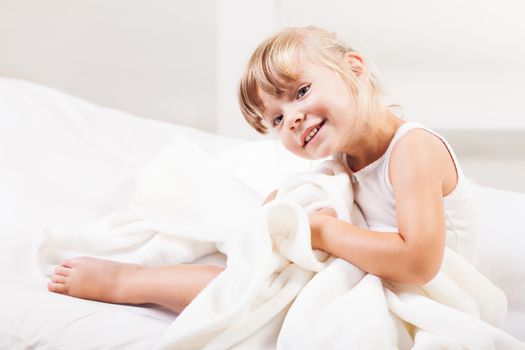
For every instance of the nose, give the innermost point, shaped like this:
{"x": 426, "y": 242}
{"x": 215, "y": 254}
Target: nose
{"x": 294, "y": 118}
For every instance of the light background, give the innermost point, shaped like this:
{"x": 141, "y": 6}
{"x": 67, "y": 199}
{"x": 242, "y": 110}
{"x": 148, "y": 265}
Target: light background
{"x": 456, "y": 66}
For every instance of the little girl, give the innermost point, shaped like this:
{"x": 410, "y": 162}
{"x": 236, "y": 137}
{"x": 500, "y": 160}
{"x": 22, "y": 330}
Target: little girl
{"x": 321, "y": 99}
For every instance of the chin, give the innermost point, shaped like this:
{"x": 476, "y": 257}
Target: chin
{"x": 317, "y": 156}
{"x": 322, "y": 153}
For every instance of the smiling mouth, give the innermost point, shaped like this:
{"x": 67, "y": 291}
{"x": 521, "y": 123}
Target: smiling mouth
{"x": 312, "y": 133}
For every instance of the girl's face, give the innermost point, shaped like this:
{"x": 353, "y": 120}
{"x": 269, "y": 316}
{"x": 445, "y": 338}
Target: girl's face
{"x": 316, "y": 115}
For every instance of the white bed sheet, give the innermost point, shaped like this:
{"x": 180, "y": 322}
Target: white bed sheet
{"x": 66, "y": 161}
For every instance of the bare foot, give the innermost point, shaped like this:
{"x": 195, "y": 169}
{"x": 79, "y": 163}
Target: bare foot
{"x": 94, "y": 279}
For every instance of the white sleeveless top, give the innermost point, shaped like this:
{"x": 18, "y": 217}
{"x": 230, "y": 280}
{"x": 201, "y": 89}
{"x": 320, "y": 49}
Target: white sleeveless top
{"x": 374, "y": 195}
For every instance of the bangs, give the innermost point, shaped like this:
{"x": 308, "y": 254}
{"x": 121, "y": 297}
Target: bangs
{"x": 272, "y": 68}
{"x": 277, "y": 67}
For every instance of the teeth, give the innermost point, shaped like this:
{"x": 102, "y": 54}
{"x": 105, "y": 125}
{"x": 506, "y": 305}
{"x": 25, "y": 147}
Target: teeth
{"x": 311, "y": 134}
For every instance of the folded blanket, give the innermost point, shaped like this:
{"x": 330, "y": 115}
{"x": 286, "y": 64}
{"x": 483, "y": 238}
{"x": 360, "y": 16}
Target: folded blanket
{"x": 276, "y": 292}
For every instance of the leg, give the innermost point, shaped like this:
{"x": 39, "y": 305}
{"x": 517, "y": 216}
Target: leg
{"x": 173, "y": 286}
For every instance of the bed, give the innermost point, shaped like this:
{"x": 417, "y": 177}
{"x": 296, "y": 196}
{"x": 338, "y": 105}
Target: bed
{"x": 68, "y": 161}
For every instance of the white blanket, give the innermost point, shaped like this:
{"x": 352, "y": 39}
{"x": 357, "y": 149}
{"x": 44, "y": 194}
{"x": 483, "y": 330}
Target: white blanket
{"x": 275, "y": 291}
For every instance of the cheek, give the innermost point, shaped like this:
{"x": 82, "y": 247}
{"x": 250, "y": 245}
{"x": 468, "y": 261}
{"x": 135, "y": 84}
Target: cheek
{"x": 315, "y": 105}
{"x": 332, "y": 106}
{"x": 288, "y": 143}
{"x": 340, "y": 98}
{"x": 292, "y": 146}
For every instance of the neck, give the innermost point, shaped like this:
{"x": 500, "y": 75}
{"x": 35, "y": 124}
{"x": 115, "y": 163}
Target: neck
{"x": 373, "y": 142}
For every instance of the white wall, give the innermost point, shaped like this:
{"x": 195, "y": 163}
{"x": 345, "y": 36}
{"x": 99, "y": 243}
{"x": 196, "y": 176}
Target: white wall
{"x": 241, "y": 25}
{"x": 153, "y": 58}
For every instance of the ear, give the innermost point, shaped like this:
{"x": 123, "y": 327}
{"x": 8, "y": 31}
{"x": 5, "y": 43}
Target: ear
{"x": 357, "y": 63}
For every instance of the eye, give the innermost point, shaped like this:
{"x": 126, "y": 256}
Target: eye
{"x": 276, "y": 120}
{"x": 302, "y": 91}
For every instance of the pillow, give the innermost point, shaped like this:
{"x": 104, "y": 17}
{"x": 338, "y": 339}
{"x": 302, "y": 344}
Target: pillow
{"x": 66, "y": 160}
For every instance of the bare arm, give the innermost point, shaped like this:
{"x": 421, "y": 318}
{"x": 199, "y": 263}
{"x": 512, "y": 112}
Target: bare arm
{"x": 419, "y": 168}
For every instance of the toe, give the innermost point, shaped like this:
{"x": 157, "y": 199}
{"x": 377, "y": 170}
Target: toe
{"x": 67, "y": 262}
{"x": 58, "y": 278}
{"x": 57, "y": 287}
{"x": 62, "y": 270}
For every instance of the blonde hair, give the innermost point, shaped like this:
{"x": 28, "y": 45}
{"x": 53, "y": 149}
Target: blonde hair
{"x": 276, "y": 63}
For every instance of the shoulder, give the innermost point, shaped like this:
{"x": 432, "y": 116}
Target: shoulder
{"x": 419, "y": 141}
{"x": 419, "y": 155}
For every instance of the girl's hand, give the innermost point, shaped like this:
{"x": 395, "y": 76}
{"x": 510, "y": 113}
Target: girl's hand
{"x": 317, "y": 220}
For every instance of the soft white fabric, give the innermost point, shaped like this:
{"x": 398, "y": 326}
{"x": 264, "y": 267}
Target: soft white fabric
{"x": 266, "y": 297}
{"x": 502, "y": 243}
{"x": 263, "y": 165}
{"x": 81, "y": 155}
{"x": 34, "y": 319}
{"x": 65, "y": 163}
{"x": 178, "y": 205}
